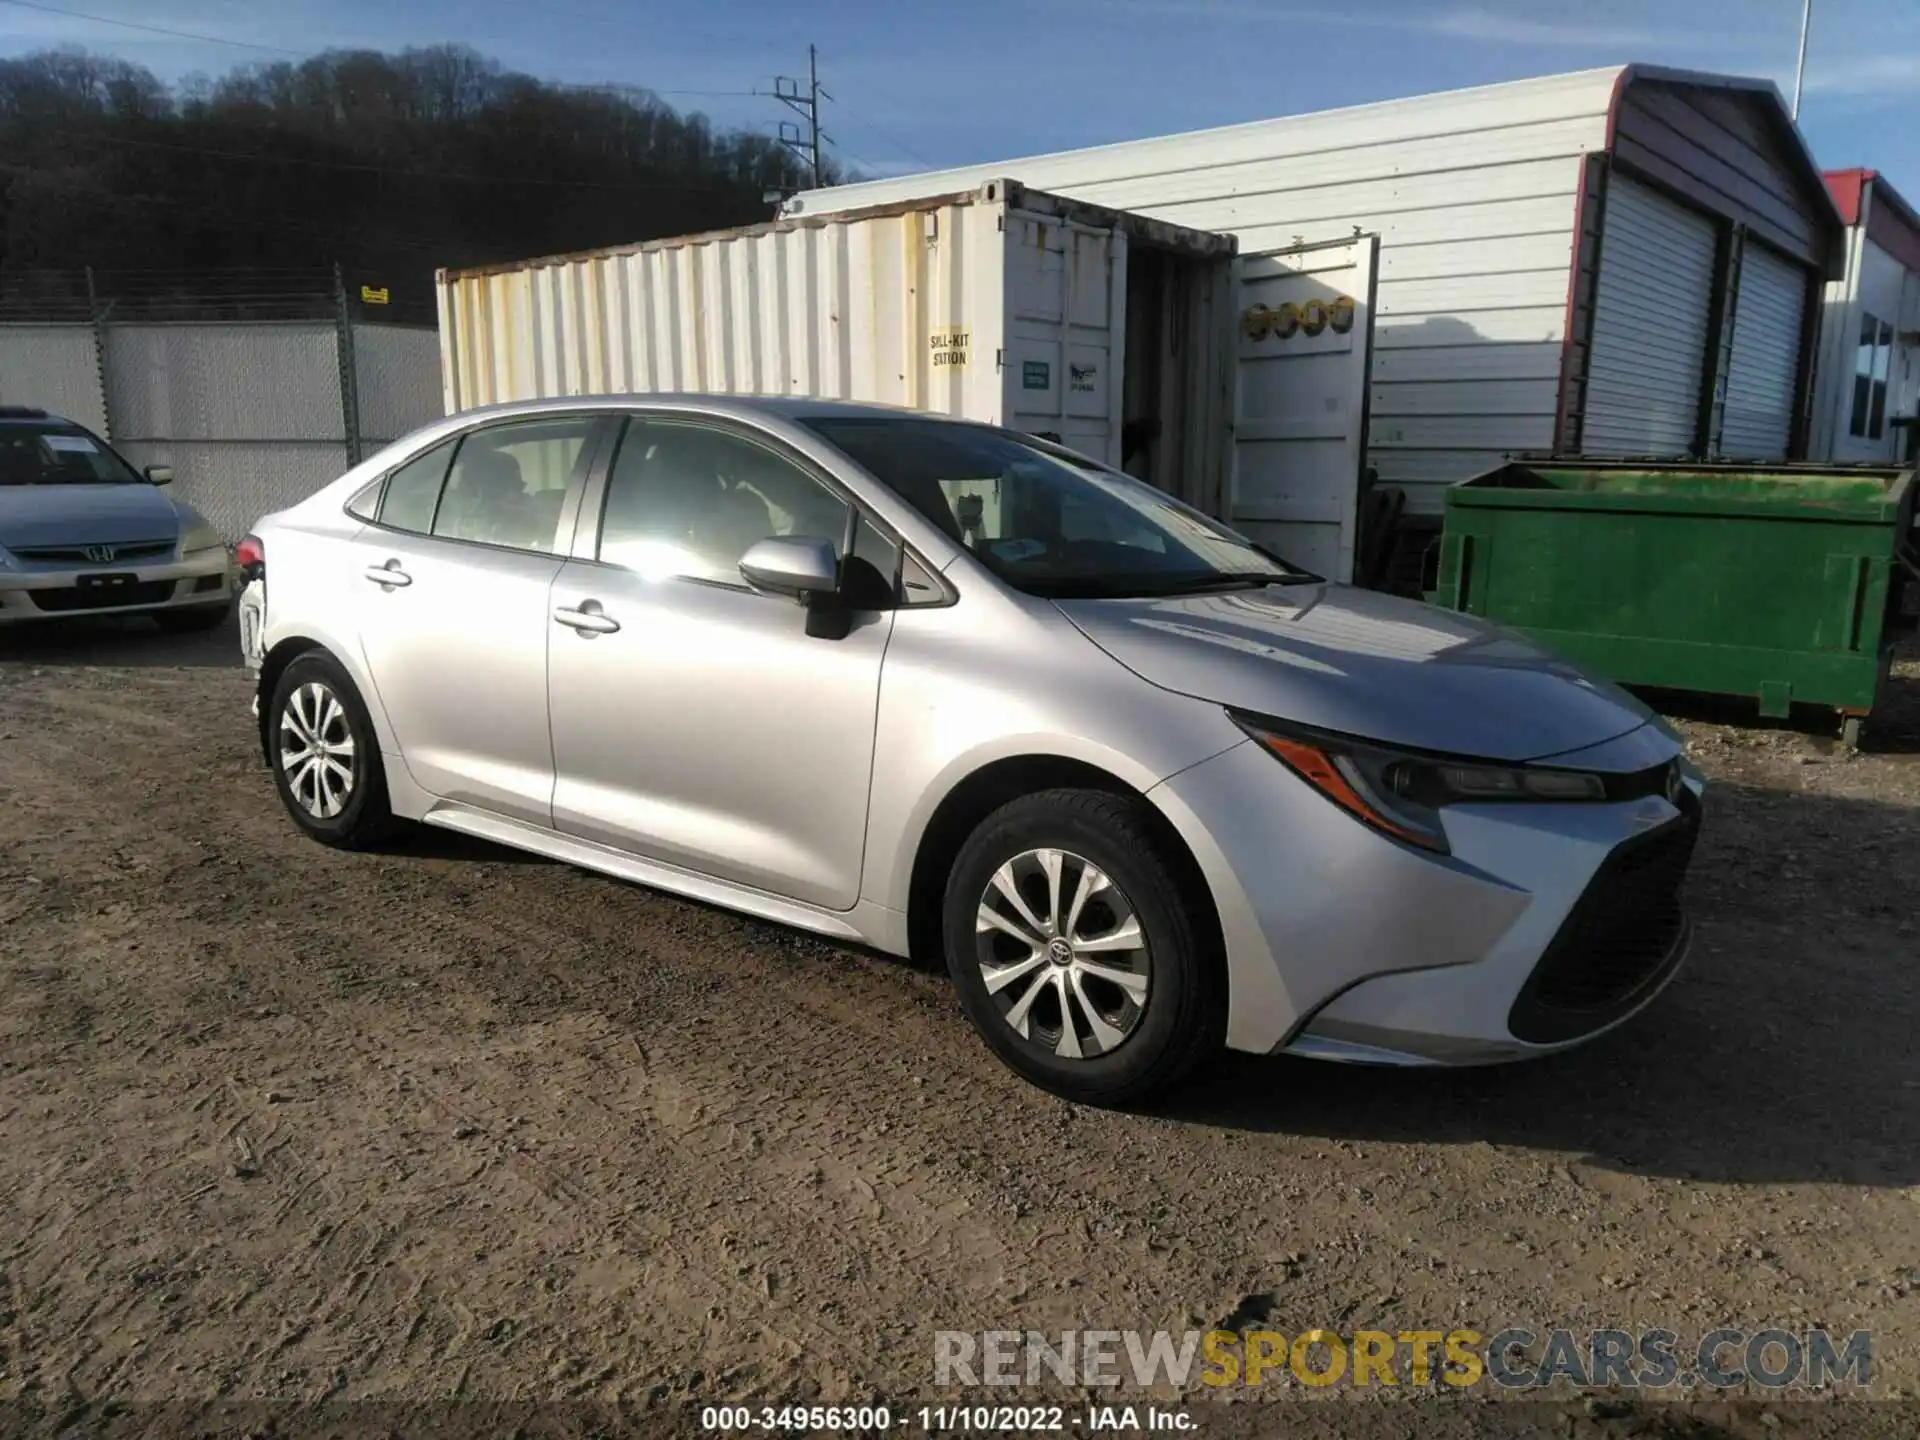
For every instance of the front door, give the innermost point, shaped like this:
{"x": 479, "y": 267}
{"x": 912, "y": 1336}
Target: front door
{"x": 694, "y": 720}
{"x": 451, "y": 583}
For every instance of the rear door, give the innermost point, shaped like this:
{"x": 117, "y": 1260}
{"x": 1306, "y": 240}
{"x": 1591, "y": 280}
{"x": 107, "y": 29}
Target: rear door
{"x": 450, "y": 583}
{"x": 1304, "y": 360}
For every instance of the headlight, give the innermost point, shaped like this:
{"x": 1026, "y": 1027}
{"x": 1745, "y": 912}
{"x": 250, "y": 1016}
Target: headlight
{"x": 6, "y": 560}
{"x": 1401, "y": 792}
{"x": 199, "y": 535}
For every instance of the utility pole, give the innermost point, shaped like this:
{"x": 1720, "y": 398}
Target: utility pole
{"x": 1800, "y": 64}
{"x": 805, "y": 142}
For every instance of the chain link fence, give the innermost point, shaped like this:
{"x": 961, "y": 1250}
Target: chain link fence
{"x": 258, "y": 387}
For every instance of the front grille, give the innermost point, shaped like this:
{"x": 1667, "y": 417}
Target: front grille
{"x": 113, "y": 554}
{"x": 101, "y": 597}
{"x": 1621, "y": 937}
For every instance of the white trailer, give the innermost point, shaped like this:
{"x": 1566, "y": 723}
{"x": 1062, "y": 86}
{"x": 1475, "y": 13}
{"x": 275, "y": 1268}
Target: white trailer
{"x": 1615, "y": 262}
{"x": 1868, "y": 404}
{"x": 1237, "y": 383}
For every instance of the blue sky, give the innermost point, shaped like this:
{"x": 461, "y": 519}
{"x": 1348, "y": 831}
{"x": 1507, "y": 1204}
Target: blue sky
{"x": 918, "y": 84}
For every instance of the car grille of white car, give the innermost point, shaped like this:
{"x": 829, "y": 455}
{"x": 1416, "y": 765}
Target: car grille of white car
{"x": 1622, "y": 936}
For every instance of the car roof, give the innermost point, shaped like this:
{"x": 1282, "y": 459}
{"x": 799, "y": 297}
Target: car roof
{"x": 27, "y": 415}
{"x": 785, "y": 407}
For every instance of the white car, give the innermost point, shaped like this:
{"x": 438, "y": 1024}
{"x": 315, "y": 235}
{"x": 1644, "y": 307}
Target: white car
{"x": 84, "y": 533}
{"x": 935, "y": 686}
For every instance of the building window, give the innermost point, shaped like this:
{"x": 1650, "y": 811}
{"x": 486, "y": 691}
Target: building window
{"x": 1872, "y": 363}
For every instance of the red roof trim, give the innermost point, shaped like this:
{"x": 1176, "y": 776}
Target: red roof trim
{"x": 1891, "y": 222}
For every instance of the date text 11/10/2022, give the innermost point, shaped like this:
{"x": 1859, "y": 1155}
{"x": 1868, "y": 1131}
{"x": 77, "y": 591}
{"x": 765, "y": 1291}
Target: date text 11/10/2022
{"x": 946, "y": 1419}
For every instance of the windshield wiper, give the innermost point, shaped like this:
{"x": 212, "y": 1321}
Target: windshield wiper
{"x": 1232, "y": 579}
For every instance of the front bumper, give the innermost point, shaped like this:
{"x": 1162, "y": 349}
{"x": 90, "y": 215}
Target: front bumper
{"x": 1345, "y": 945}
{"x": 202, "y": 578}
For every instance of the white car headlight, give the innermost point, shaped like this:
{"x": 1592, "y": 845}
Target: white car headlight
{"x": 6, "y": 560}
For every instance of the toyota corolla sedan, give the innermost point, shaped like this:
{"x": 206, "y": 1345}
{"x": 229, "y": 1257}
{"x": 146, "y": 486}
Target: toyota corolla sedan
{"x": 935, "y": 686}
{"x": 84, "y": 533}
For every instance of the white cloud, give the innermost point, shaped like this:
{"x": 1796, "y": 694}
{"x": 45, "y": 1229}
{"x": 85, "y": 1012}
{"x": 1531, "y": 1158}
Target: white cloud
{"x": 1477, "y": 23}
{"x": 1498, "y": 29}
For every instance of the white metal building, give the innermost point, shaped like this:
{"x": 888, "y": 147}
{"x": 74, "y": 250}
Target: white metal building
{"x": 1617, "y": 262}
{"x": 1869, "y": 360}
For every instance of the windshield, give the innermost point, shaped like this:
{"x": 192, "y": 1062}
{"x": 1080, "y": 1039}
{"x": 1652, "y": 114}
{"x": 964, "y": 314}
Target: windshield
{"x": 52, "y": 453}
{"x": 1048, "y": 525}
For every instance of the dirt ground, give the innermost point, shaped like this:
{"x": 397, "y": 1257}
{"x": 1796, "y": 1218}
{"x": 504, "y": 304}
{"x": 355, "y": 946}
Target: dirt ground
{"x": 451, "y": 1125}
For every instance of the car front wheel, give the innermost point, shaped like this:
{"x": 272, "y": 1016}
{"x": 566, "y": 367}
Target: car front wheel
{"x": 326, "y": 757}
{"x": 1077, "y": 955}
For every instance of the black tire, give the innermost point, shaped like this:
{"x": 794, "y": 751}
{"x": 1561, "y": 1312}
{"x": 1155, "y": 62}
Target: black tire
{"x": 1182, "y": 1020}
{"x": 363, "y": 818}
{"x": 190, "y": 618}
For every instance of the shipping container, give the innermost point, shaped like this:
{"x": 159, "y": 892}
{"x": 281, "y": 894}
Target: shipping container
{"x": 1235, "y": 383}
{"x": 1615, "y": 262}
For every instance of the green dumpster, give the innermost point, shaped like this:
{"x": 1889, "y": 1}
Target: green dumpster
{"x": 1783, "y": 583}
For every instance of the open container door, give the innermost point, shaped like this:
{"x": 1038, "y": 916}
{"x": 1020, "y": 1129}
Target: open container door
{"x": 1066, "y": 287}
{"x": 1304, "y": 361}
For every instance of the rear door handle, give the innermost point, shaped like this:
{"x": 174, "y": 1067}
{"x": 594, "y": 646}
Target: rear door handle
{"x": 588, "y": 619}
{"x": 389, "y": 574}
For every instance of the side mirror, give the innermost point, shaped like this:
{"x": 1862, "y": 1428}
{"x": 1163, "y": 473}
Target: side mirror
{"x": 797, "y": 565}
{"x": 159, "y": 474}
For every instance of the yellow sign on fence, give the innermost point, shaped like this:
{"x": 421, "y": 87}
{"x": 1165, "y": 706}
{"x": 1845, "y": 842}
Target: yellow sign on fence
{"x": 371, "y": 296}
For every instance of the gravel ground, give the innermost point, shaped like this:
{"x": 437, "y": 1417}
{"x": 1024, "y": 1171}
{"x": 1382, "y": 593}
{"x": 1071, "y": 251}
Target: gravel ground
{"x": 451, "y": 1125}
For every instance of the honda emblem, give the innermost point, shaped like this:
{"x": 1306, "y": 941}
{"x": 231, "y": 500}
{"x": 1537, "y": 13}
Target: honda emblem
{"x": 100, "y": 554}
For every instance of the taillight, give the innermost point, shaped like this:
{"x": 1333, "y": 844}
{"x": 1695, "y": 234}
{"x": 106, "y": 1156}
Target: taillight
{"x": 251, "y": 556}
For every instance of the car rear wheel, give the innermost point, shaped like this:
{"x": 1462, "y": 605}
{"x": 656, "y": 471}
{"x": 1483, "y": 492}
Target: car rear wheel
{"x": 1075, "y": 951}
{"x": 326, "y": 757}
{"x": 190, "y": 618}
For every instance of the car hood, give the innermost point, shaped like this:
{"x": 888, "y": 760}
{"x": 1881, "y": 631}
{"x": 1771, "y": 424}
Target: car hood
{"x": 84, "y": 515}
{"x": 1365, "y": 664}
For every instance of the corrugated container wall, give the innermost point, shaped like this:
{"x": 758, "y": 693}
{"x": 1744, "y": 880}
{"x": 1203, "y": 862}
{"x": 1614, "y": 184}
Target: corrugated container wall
{"x": 1473, "y": 195}
{"x": 846, "y": 310}
{"x": 999, "y": 304}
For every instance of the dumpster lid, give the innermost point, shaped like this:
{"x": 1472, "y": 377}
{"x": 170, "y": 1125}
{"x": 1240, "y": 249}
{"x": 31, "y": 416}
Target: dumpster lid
{"x": 1857, "y": 493}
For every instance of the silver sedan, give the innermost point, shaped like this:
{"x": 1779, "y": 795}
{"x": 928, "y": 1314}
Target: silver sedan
{"x": 84, "y": 533}
{"x": 939, "y": 687}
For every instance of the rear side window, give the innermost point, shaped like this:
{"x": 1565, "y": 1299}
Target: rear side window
{"x": 509, "y": 482}
{"x": 413, "y": 491}
{"x": 366, "y": 505}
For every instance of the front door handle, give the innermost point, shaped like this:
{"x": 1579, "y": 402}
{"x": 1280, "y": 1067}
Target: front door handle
{"x": 389, "y": 574}
{"x": 588, "y": 619}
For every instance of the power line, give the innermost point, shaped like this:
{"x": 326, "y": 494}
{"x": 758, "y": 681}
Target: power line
{"x": 884, "y": 134}
{"x": 154, "y": 29}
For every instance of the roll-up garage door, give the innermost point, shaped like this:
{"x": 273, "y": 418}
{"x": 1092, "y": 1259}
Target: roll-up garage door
{"x": 1763, "y": 368}
{"x": 1650, "y": 314}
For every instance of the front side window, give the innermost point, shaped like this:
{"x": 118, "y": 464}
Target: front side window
{"x": 54, "y": 453}
{"x": 686, "y": 501}
{"x": 1046, "y": 525}
{"x": 508, "y": 483}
